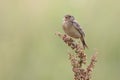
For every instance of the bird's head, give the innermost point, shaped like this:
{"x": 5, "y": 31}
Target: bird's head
{"x": 68, "y": 18}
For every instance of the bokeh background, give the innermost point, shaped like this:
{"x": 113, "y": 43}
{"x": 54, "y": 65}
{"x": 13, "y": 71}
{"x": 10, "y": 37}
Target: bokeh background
{"x": 29, "y": 50}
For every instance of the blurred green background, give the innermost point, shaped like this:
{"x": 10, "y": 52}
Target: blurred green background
{"x": 29, "y": 50}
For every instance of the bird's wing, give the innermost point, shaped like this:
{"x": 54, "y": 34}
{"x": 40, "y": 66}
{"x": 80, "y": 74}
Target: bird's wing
{"x": 78, "y": 28}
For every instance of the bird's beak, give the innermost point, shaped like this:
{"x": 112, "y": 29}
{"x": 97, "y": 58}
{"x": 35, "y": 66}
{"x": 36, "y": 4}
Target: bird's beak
{"x": 64, "y": 19}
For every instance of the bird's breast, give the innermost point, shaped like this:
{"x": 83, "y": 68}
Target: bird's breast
{"x": 71, "y": 30}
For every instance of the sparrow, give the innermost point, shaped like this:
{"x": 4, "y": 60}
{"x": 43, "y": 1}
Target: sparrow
{"x": 72, "y": 28}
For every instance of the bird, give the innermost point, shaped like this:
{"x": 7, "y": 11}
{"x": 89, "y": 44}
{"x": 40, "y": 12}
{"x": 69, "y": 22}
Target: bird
{"x": 72, "y": 28}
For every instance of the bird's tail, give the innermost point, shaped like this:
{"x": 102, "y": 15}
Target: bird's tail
{"x": 84, "y": 43}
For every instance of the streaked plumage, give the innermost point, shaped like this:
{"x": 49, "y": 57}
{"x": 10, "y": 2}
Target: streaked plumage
{"x": 73, "y": 29}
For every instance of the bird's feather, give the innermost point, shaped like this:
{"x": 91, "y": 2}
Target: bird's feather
{"x": 79, "y": 28}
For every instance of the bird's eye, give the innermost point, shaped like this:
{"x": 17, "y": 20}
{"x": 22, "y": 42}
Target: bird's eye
{"x": 69, "y": 16}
